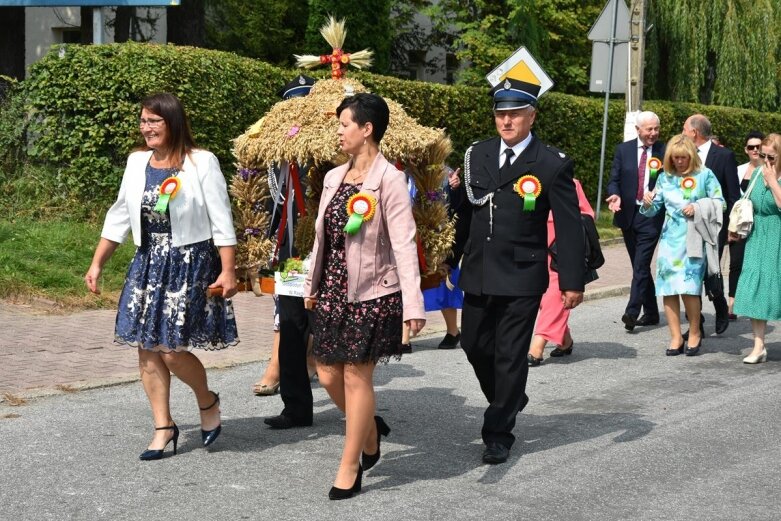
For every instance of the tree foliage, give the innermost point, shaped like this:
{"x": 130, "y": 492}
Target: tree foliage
{"x": 367, "y": 22}
{"x": 484, "y": 33}
{"x": 722, "y": 51}
{"x": 272, "y": 30}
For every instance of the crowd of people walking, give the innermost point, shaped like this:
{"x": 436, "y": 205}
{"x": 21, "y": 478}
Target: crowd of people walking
{"x": 517, "y": 273}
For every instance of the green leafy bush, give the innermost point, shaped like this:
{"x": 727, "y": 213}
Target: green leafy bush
{"x": 81, "y": 102}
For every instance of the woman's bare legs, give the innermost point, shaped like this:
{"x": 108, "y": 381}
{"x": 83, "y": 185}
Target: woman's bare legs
{"x": 672, "y": 310}
{"x": 537, "y": 346}
{"x": 156, "y": 379}
{"x": 351, "y": 388}
{"x": 693, "y": 305}
{"x": 758, "y": 328}
{"x": 451, "y": 320}
{"x": 189, "y": 369}
{"x": 270, "y": 377}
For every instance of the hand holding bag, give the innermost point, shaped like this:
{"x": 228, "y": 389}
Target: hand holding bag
{"x": 741, "y": 217}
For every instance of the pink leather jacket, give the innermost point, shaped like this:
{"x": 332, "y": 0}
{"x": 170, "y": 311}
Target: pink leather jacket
{"x": 382, "y": 257}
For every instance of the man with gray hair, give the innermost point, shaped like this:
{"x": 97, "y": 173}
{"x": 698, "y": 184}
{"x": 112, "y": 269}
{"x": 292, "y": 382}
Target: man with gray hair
{"x": 636, "y": 165}
{"x": 721, "y": 161}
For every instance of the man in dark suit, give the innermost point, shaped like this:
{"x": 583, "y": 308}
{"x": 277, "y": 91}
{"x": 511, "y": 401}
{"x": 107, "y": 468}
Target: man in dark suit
{"x": 630, "y": 178}
{"x": 512, "y": 181}
{"x": 721, "y": 161}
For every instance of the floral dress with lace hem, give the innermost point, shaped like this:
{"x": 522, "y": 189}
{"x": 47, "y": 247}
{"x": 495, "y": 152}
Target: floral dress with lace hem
{"x": 163, "y": 305}
{"x": 351, "y": 332}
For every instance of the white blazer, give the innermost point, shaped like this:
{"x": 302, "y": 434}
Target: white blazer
{"x": 199, "y": 211}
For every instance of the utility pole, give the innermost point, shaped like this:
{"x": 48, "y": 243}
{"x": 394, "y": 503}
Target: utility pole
{"x": 634, "y": 82}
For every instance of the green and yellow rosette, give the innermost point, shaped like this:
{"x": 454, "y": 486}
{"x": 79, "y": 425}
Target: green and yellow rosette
{"x": 687, "y": 185}
{"x": 528, "y": 187}
{"x": 168, "y": 190}
{"x": 654, "y": 165}
{"x": 360, "y": 208}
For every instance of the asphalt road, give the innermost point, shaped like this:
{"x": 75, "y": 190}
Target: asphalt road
{"x": 615, "y": 431}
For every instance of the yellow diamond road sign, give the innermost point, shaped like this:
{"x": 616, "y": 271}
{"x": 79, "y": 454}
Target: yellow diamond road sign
{"x": 521, "y": 65}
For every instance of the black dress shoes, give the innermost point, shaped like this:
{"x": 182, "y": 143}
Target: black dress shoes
{"x": 450, "y": 341}
{"x": 495, "y": 453}
{"x": 629, "y": 321}
{"x": 648, "y": 320}
{"x": 722, "y": 314}
{"x": 286, "y": 422}
{"x": 532, "y": 360}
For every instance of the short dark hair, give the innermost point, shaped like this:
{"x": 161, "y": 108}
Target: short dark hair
{"x": 168, "y": 107}
{"x": 365, "y": 108}
{"x": 754, "y": 134}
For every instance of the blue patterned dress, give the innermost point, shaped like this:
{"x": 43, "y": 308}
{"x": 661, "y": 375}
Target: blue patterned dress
{"x": 163, "y": 305}
{"x": 676, "y": 272}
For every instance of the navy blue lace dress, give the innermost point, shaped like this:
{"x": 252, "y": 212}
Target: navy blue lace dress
{"x": 351, "y": 332}
{"x": 163, "y": 305}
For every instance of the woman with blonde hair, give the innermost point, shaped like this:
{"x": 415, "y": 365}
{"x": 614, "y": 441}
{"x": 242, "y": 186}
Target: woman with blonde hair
{"x": 759, "y": 289}
{"x": 691, "y": 197}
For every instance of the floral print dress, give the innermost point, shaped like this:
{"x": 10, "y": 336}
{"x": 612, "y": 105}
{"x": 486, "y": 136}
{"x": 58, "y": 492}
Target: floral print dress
{"x": 676, "y": 272}
{"x": 163, "y": 305}
{"x": 351, "y": 332}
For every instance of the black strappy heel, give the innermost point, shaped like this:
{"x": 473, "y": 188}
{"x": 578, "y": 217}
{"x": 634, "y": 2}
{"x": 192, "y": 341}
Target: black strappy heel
{"x": 153, "y": 454}
{"x": 208, "y": 437}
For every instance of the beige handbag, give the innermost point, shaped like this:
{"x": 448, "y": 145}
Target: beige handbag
{"x": 741, "y": 217}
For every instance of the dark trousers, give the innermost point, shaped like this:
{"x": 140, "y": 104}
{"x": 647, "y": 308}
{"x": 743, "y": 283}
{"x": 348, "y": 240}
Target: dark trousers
{"x": 294, "y": 386}
{"x": 640, "y": 240}
{"x": 495, "y": 334}
{"x": 736, "y": 251}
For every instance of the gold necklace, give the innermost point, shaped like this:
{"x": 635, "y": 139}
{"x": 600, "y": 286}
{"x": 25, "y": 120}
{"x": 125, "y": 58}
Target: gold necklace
{"x": 354, "y": 178}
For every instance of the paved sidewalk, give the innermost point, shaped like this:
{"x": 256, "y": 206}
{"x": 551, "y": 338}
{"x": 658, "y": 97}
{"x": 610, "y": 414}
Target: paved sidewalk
{"x": 47, "y": 354}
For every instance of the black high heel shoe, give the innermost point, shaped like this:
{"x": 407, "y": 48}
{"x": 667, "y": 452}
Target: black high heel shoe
{"x": 153, "y": 454}
{"x": 337, "y": 493}
{"x": 208, "y": 437}
{"x": 369, "y": 460}
{"x": 532, "y": 360}
{"x": 562, "y": 351}
{"x": 692, "y": 351}
{"x": 676, "y": 352}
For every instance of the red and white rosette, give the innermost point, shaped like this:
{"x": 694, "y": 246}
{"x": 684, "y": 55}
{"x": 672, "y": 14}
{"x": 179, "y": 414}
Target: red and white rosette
{"x": 688, "y": 185}
{"x": 168, "y": 189}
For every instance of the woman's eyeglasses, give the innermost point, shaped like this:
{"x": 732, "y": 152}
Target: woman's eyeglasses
{"x": 752, "y": 147}
{"x": 769, "y": 157}
{"x": 151, "y": 122}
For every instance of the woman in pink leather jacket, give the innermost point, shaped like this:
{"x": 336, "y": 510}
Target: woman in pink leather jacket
{"x": 363, "y": 280}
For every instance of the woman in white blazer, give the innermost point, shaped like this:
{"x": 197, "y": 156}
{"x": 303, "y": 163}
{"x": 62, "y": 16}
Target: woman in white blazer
{"x": 174, "y": 200}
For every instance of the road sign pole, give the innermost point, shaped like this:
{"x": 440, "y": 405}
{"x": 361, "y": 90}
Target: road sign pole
{"x": 607, "y": 103}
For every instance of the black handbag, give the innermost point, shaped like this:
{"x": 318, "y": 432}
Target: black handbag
{"x": 594, "y": 259}
{"x": 714, "y": 286}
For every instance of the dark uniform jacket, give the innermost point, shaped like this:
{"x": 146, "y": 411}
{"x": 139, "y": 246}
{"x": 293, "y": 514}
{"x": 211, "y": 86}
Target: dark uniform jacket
{"x": 512, "y": 260}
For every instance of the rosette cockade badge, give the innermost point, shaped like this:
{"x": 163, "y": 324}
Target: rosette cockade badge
{"x": 528, "y": 187}
{"x": 688, "y": 185}
{"x": 654, "y": 165}
{"x": 168, "y": 189}
{"x": 360, "y": 208}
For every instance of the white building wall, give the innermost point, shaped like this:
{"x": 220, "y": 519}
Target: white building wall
{"x": 46, "y": 26}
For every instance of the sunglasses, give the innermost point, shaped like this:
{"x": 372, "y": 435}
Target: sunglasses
{"x": 753, "y": 147}
{"x": 769, "y": 157}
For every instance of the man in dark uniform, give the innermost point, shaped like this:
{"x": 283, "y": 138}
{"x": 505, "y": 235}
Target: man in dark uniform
{"x": 294, "y": 384}
{"x": 512, "y": 182}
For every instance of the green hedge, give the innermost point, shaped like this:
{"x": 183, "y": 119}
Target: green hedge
{"x": 82, "y": 104}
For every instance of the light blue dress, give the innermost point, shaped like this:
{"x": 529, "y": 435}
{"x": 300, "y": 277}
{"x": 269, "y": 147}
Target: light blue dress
{"x": 676, "y": 272}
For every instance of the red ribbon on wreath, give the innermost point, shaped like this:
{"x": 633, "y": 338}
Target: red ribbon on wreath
{"x": 293, "y": 183}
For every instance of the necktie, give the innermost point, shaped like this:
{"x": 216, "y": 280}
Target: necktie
{"x": 641, "y": 174}
{"x": 509, "y": 153}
